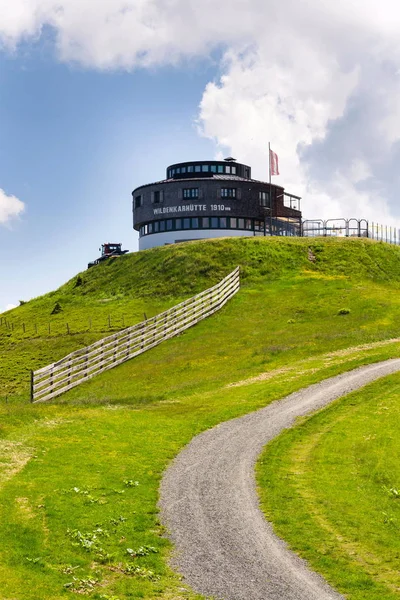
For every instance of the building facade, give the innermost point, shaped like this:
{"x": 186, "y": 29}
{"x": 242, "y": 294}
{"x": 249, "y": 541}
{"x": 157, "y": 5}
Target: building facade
{"x": 208, "y": 199}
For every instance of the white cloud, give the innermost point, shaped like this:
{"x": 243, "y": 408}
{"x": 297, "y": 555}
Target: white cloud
{"x": 319, "y": 79}
{"x": 8, "y": 307}
{"x": 10, "y": 207}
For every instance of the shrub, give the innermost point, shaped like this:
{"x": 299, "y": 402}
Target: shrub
{"x": 57, "y": 309}
{"x": 344, "y": 311}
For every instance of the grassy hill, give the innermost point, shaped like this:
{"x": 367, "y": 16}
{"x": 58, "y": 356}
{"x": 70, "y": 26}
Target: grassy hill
{"x": 79, "y": 477}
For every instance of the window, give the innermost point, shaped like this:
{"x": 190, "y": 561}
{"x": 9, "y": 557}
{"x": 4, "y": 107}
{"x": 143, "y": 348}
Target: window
{"x": 233, "y": 222}
{"x": 228, "y": 192}
{"x": 204, "y": 168}
{"x": 206, "y": 222}
{"x": 150, "y": 227}
{"x": 183, "y": 170}
{"x": 195, "y": 223}
{"x": 213, "y": 168}
{"x": 222, "y": 222}
{"x": 248, "y": 224}
{"x": 233, "y": 170}
{"x": 197, "y": 168}
{"x": 240, "y": 223}
{"x": 172, "y": 171}
{"x": 228, "y": 170}
{"x": 138, "y": 201}
{"x": 178, "y": 170}
{"x": 186, "y": 223}
{"x": 178, "y": 224}
{"x": 264, "y": 198}
{"x": 190, "y": 193}
{"x": 214, "y": 221}
{"x": 220, "y": 168}
{"x": 162, "y": 225}
{"x": 156, "y": 197}
{"x": 156, "y": 226}
{"x": 190, "y": 169}
{"x": 169, "y": 224}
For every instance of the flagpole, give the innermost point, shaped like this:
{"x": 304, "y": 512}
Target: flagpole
{"x": 270, "y": 191}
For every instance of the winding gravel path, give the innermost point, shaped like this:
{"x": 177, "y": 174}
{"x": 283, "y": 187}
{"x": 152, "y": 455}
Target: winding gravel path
{"x": 224, "y": 546}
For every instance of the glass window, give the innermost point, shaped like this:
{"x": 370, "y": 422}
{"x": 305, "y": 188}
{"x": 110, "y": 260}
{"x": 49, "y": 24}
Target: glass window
{"x": 190, "y": 169}
{"x": 228, "y": 169}
{"x": 173, "y": 171}
{"x": 178, "y": 170}
{"x": 240, "y": 223}
{"x": 138, "y": 201}
{"x": 197, "y": 168}
{"x": 233, "y": 222}
{"x": 156, "y": 226}
{"x": 178, "y": 223}
{"x": 248, "y": 224}
{"x": 169, "y": 224}
{"x": 228, "y": 192}
{"x": 162, "y": 225}
{"x": 258, "y": 225}
{"x": 183, "y": 170}
{"x": 191, "y": 193}
{"x": 213, "y": 168}
{"x": 206, "y": 222}
{"x": 220, "y": 168}
{"x": 214, "y": 221}
{"x": 145, "y": 229}
{"x": 195, "y": 223}
{"x": 222, "y": 222}
{"x": 156, "y": 197}
{"x": 233, "y": 169}
{"x": 264, "y": 198}
{"x": 204, "y": 168}
{"x": 186, "y": 223}
{"x": 150, "y": 227}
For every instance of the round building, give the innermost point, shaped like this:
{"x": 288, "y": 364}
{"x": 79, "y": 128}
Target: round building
{"x": 208, "y": 199}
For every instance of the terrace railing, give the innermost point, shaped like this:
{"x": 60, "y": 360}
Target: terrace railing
{"x": 81, "y": 365}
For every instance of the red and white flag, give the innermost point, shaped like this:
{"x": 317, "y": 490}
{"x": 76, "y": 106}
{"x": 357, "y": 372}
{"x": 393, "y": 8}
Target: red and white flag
{"x": 273, "y": 163}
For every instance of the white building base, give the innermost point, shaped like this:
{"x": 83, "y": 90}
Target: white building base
{"x": 172, "y": 237}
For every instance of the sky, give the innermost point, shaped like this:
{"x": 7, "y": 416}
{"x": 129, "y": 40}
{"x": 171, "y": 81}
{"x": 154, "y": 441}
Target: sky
{"x": 99, "y": 96}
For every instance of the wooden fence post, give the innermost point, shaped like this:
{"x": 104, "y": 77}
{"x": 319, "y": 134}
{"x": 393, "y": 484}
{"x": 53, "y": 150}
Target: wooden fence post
{"x": 32, "y": 383}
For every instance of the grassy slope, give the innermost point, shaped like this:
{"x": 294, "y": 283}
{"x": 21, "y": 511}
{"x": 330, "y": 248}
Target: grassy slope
{"x": 127, "y": 424}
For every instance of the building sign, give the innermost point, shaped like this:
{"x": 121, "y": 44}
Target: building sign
{"x": 190, "y": 208}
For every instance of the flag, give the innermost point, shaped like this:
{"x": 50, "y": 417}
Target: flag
{"x": 273, "y": 163}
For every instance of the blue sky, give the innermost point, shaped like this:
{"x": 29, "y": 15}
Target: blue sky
{"x": 74, "y": 144}
{"x": 98, "y": 98}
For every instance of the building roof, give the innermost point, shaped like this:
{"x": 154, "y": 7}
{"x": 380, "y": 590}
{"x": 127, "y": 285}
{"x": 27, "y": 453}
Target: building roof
{"x": 215, "y": 176}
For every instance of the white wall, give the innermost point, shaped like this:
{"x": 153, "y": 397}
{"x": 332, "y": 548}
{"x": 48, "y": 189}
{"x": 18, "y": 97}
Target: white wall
{"x": 170, "y": 237}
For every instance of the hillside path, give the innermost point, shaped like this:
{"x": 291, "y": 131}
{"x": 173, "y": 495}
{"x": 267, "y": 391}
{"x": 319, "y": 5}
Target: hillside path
{"x": 224, "y": 546}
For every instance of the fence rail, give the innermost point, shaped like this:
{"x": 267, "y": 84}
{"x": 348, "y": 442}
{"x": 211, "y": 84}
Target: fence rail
{"x": 81, "y": 365}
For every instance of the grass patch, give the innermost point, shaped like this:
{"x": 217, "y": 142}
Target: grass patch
{"x": 331, "y": 488}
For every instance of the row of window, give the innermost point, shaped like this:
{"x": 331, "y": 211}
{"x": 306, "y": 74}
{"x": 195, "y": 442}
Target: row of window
{"x": 215, "y": 223}
{"x": 193, "y": 193}
{"x": 224, "y": 169}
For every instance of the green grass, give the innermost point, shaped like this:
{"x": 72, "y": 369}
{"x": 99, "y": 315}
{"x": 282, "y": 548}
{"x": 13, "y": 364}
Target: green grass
{"x": 281, "y": 332}
{"x": 331, "y": 486}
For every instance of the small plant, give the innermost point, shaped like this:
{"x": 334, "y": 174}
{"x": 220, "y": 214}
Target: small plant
{"x": 291, "y": 321}
{"x": 131, "y": 483}
{"x": 57, "y": 309}
{"x": 81, "y": 586}
{"x": 344, "y": 311}
{"x": 33, "y": 560}
{"x": 78, "y": 281}
{"x": 140, "y": 572}
{"x": 142, "y": 551}
{"x": 22, "y": 302}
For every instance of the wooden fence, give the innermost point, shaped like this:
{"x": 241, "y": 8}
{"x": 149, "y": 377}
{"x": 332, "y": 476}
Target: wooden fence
{"x": 83, "y": 364}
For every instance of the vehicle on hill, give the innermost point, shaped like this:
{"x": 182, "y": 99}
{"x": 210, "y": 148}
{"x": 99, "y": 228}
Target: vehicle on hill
{"x": 108, "y": 250}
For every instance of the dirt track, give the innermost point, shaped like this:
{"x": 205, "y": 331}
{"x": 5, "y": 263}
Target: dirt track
{"x": 224, "y": 546}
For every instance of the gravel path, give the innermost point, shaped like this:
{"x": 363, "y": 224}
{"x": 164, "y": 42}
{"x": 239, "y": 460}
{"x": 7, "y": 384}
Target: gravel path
{"x": 224, "y": 546}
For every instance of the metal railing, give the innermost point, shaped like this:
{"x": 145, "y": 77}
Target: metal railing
{"x": 81, "y": 365}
